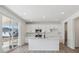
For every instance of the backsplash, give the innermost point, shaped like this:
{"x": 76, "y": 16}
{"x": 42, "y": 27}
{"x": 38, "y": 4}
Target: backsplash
{"x": 44, "y": 27}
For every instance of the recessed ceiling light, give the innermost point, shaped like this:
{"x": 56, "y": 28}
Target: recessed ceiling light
{"x": 25, "y": 14}
{"x": 62, "y": 12}
{"x": 56, "y": 19}
{"x": 44, "y": 17}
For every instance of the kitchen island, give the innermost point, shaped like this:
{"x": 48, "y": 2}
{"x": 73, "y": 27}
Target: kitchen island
{"x": 44, "y": 44}
{"x": 45, "y": 41}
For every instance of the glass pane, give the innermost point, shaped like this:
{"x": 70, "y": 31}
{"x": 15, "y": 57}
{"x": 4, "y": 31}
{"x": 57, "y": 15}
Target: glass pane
{"x": 6, "y": 30}
{"x": 14, "y": 34}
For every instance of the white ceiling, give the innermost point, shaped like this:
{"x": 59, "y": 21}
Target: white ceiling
{"x": 44, "y": 12}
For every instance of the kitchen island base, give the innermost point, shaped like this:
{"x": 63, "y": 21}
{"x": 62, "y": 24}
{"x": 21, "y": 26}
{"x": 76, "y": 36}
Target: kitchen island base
{"x": 40, "y": 44}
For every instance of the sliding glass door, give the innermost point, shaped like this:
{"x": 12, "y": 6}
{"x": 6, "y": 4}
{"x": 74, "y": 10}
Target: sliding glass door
{"x": 9, "y": 33}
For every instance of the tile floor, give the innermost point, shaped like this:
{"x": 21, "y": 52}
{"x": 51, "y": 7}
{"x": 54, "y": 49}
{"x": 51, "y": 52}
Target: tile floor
{"x": 63, "y": 49}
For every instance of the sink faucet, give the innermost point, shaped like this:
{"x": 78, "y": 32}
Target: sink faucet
{"x": 44, "y": 35}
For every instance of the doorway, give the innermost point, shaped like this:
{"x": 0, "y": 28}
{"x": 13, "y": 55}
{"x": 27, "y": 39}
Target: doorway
{"x": 65, "y": 35}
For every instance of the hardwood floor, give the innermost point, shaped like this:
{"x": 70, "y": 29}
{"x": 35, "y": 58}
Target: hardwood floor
{"x": 63, "y": 49}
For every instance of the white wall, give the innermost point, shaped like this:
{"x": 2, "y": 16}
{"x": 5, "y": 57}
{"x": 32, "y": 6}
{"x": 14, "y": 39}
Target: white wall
{"x": 22, "y": 33}
{"x": 71, "y": 37}
{"x": 77, "y": 32}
